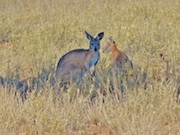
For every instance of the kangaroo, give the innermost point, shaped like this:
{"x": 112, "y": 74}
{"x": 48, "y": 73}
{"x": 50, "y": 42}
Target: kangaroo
{"x": 5, "y": 43}
{"x": 74, "y": 64}
{"x": 119, "y": 58}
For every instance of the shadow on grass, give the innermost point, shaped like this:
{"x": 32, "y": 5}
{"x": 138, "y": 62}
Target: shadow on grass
{"x": 115, "y": 84}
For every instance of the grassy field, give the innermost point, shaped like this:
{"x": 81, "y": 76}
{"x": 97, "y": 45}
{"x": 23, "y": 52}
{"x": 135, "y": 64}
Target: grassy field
{"x": 34, "y": 34}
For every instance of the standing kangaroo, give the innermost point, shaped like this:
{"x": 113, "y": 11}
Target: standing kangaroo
{"x": 119, "y": 58}
{"x": 74, "y": 64}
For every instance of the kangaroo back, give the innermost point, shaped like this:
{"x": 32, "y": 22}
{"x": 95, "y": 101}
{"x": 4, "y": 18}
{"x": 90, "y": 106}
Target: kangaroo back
{"x": 74, "y": 64}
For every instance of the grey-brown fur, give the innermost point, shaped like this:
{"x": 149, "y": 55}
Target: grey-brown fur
{"x": 74, "y": 64}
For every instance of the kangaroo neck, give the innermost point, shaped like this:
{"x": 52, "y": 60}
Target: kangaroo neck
{"x": 115, "y": 49}
{"x": 115, "y": 52}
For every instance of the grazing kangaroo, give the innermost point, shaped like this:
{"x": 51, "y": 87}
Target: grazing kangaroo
{"x": 119, "y": 58}
{"x": 74, "y": 64}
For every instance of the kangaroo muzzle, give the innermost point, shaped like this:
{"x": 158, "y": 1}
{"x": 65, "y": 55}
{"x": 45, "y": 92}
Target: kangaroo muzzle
{"x": 95, "y": 49}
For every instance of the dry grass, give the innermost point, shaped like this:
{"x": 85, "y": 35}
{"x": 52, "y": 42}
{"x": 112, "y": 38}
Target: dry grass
{"x": 37, "y": 33}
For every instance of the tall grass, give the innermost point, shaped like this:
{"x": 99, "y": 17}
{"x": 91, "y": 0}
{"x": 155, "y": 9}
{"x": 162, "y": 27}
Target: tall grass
{"x": 42, "y": 31}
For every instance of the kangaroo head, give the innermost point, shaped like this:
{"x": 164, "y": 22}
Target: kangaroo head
{"x": 109, "y": 46}
{"x": 95, "y": 42}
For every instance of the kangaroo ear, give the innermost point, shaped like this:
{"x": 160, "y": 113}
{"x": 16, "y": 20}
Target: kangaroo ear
{"x": 110, "y": 40}
{"x": 89, "y": 36}
{"x": 100, "y": 36}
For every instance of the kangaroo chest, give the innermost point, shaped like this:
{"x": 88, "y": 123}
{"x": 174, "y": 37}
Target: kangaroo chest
{"x": 93, "y": 58}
